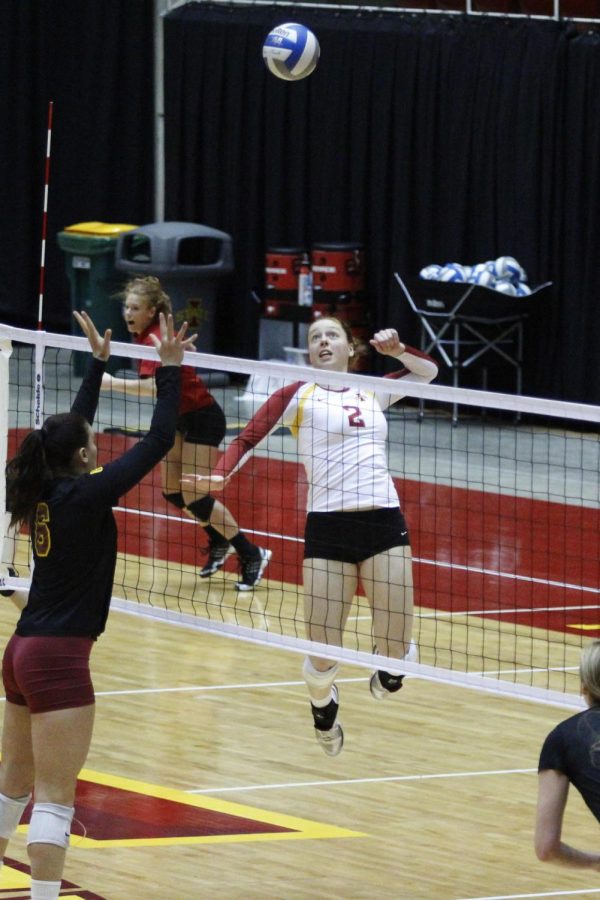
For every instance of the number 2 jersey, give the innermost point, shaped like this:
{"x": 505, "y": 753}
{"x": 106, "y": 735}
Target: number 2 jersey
{"x": 73, "y": 530}
{"x": 342, "y": 438}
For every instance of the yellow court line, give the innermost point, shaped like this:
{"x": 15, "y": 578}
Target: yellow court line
{"x": 301, "y": 829}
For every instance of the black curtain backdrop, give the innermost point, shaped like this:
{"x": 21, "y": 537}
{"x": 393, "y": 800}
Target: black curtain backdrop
{"x": 426, "y": 138}
{"x": 95, "y": 61}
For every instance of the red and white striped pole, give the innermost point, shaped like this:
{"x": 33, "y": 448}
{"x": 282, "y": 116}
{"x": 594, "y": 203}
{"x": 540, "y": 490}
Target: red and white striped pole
{"x": 45, "y": 215}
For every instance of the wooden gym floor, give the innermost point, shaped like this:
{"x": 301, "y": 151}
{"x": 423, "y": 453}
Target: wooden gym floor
{"x": 432, "y": 798}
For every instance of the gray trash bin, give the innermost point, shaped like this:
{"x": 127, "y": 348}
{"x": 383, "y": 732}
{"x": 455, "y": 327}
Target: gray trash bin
{"x": 189, "y": 259}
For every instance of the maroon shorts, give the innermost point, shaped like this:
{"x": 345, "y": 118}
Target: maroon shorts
{"x": 48, "y": 673}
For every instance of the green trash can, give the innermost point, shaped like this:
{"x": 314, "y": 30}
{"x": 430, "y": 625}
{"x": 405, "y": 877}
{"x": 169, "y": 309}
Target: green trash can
{"x": 95, "y": 283}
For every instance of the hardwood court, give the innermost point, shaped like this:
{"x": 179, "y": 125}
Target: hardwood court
{"x": 434, "y": 794}
{"x": 439, "y": 783}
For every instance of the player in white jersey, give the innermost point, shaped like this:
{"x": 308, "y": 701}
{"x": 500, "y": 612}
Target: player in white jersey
{"x": 354, "y": 529}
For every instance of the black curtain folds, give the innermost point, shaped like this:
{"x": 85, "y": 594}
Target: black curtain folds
{"x": 426, "y": 138}
{"x": 95, "y": 62}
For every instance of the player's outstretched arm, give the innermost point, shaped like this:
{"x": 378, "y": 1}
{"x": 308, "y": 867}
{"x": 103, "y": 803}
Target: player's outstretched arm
{"x": 100, "y": 345}
{"x": 553, "y": 789}
{"x": 210, "y": 483}
{"x": 171, "y": 346}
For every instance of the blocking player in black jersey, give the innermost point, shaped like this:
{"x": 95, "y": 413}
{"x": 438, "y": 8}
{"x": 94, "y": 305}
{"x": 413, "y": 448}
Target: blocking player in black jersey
{"x": 55, "y": 486}
{"x": 571, "y": 755}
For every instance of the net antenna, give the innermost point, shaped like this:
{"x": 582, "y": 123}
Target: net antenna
{"x": 39, "y": 381}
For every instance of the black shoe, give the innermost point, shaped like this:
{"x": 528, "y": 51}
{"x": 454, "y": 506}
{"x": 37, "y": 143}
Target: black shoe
{"x": 217, "y": 554}
{"x": 253, "y": 568}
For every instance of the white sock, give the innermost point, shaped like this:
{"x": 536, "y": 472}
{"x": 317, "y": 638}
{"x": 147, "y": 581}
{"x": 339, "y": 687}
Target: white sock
{"x": 45, "y": 890}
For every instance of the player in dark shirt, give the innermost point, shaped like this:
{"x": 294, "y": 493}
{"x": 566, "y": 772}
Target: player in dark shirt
{"x": 571, "y": 755}
{"x": 56, "y": 487}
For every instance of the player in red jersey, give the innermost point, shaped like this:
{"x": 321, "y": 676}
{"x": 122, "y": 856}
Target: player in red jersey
{"x": 354, "y": 528}
{"x": 200, "y": 430}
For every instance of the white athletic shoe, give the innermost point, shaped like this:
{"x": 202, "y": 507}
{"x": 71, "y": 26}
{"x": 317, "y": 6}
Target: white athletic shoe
{"x": 331, "y": 741}
{"x": 382, "y": 693}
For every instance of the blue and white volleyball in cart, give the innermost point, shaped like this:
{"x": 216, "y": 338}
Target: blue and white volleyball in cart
{"x": 291, "y": 51}
{"x": 506, "y": 268}
{"x": 452, "y": 272}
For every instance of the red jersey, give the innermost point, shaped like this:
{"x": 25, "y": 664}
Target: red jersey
{"x": 194, "y": 394}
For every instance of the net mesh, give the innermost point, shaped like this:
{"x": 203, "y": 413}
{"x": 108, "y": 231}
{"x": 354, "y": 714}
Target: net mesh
{"x": 502, "y": 510}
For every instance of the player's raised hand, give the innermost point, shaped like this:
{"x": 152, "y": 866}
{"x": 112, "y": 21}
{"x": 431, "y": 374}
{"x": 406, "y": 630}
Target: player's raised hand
{"x": 171, "y": 345}
{"x": 387, "y": 342}
{"x": 100, "y": 345}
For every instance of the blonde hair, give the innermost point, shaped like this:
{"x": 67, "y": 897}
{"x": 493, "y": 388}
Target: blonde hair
{"x": 589, "y": 670}
{"x": 148, "y": 288}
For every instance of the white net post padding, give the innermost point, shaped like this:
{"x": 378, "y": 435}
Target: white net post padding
{"x": 503, "y": 520}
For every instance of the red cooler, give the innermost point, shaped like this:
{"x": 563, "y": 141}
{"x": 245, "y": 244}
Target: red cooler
{"x": 338, "y": 269}
{"x": 281, "y": 272}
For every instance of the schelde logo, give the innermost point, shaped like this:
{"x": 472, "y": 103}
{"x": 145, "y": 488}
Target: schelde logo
{"x": 436, "y": 304}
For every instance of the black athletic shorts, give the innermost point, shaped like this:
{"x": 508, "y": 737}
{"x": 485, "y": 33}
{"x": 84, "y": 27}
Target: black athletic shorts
{"x": 354, "y": 536}
{"x": 203, "y": 426}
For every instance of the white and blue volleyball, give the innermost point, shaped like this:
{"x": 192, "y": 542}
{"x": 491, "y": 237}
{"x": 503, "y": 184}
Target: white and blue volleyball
{"x": 431, "y": 273}
{"x": 507, "y": 268}
{"x": 480, "y": 274}
{"x": 505, "y": 287}
{"x": 291, "y": 51}
{"x": 452, "y": 272}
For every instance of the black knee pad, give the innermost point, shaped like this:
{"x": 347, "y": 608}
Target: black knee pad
{"x": 176, "y": 499}
{"x": 202, "y": 508}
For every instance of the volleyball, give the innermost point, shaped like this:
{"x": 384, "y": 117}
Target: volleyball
{"x": 508, "y": 269}
{"x": 505, "y": 287}
{"x": 452, "y": 272}
{"x": 291, "y": 51}
{"x": 431, "y": 273}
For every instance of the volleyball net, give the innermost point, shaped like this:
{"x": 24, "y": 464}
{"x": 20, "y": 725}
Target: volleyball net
{"x": 502, "y": 508}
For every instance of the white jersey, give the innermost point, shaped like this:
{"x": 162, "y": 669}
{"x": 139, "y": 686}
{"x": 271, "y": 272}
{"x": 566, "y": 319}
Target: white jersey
{"x": 342, "y": 445}
{"x": 342, "y": 439}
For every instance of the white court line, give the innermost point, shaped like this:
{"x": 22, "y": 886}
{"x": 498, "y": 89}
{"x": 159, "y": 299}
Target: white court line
{"x": 438, "y": 614}
{"x": 342, "y": 781}
{"x": 542, "y": 894}
{"x": 510, "y": 575}
{"x": 202, "y": 688}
